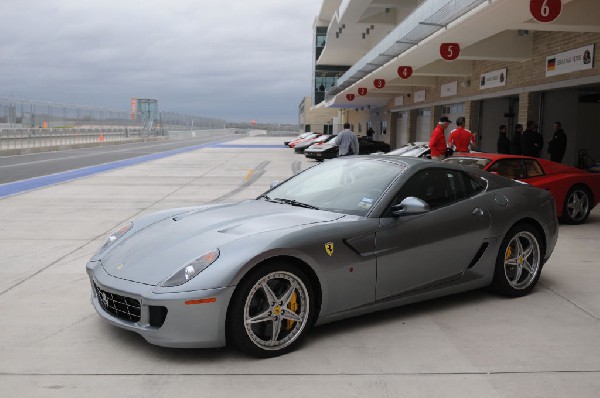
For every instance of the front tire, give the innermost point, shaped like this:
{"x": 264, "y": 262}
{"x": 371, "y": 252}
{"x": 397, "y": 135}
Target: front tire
{"x": 576, "y": 208}
{"x": 271, "y": 311}
{"x": 519, "y": 262}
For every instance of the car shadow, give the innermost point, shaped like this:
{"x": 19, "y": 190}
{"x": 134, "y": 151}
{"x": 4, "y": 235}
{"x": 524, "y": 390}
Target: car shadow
{"x": 406, "y": 313}
{"x": 317, "y": 335}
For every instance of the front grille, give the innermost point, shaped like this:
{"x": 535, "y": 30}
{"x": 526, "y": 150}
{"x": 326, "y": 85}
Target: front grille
{"x": 122, "y": 307}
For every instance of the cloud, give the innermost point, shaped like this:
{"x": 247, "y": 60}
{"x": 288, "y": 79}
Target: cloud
{"x": 237, "y": 59}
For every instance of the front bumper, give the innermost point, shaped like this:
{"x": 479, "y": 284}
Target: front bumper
{"x": 185, "y": 325}
{"x": 320, "y": 155}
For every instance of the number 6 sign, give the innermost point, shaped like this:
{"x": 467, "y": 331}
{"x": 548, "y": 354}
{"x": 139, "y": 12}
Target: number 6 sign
{"x": 545, "y": 10}
{"x": 449, "y": 51}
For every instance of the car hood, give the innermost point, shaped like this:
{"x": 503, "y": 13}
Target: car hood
{"x": 155, "y": 252}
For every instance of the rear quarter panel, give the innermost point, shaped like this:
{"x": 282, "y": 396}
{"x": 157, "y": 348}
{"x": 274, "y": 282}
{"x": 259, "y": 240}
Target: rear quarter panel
{"x": 560, "y": 184}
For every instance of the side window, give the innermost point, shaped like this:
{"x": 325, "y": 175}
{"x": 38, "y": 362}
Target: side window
{"x": 473, "y": 184}
{"x": 437, "y": 187}
{"x": 533, "y": 168}
{"x": 511, "y": 168}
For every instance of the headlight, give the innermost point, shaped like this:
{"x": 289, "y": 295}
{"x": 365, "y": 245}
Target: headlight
{"x": 191, "y": 269}
{"x": 115, "y": 236}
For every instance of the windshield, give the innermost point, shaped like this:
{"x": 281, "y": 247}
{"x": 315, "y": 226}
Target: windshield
{"x": 402, "y": 149}
{"x": 350, "y": 186}
{"x": 416, "y": 150}
{"x": 478, "y": 162}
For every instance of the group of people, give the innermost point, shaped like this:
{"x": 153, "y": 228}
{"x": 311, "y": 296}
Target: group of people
{"x": 530, "y": 142}
{"x": 460, "y": 140}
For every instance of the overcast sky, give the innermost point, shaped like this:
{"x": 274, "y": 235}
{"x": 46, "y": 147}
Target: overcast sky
{"x": 233, "y": 59}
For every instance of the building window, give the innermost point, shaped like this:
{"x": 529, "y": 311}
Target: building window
{"x": 453, "y": 109}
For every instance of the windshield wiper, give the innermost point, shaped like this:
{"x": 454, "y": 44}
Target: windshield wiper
{"x": 292, "y": 202}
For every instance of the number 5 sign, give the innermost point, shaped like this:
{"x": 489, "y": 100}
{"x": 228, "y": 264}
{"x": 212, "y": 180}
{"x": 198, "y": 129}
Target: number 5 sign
{"x": 449, "y": 51}
{"x": 545, "y": 10}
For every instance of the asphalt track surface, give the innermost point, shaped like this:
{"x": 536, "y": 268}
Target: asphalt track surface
{"x": 23, "y": 167}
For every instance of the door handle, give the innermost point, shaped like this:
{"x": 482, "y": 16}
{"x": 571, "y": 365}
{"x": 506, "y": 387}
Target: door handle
{"x": 477, "y": 212}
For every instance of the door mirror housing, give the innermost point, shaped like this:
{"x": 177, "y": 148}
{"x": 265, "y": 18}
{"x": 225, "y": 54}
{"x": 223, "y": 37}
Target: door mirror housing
{"x": 410, "y": 206}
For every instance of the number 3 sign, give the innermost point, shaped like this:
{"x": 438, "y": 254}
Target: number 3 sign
{"x": 379, "y": 83}
{"x": 449, "y": 51}
{"x": 545, "y": 10}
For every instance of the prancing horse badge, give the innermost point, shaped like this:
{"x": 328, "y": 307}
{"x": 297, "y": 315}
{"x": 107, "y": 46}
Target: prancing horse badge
{"x": 329, "y": 248}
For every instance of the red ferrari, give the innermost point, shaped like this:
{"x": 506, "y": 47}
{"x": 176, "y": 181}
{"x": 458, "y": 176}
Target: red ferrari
{"x": 575, "y": 191}
{"x": 293, "y": 143}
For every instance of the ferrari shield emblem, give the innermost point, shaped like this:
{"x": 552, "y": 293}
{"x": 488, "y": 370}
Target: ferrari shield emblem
{"x": 329, "y": 248}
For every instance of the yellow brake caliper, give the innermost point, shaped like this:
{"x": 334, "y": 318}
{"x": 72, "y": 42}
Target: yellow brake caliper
{"x": 292, "y": 306}
{"x": 508, "y": 253}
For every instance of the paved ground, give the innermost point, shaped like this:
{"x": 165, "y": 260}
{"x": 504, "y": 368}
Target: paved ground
{"x": 35, "y": 164}
{"x": 52, "y": 344}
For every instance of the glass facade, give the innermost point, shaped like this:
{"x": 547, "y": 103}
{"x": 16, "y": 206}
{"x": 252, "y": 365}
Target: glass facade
{"x": 325, "y": 76}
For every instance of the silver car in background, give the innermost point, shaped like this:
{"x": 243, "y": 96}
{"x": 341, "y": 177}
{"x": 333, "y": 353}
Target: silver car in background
{"x": 346, "y": 237}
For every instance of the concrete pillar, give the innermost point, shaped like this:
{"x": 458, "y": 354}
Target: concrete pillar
{"x": 392, "y": 122}
{"x": 472, "y": 115}
{"x": 412, "y": 125}
{"x": 528, "y": 107}
{"x": 436, "y": 114}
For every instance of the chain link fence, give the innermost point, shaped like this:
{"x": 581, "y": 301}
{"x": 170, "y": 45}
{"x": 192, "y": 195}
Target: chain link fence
{"x": 29, "y": 125}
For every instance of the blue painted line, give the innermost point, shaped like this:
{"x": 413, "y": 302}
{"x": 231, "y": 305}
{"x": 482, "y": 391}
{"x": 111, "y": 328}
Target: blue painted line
{"x": 13, "y": 188}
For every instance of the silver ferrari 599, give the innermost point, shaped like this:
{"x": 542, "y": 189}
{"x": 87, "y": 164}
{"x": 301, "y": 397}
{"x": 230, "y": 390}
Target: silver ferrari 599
{"x": 347, "y": 237}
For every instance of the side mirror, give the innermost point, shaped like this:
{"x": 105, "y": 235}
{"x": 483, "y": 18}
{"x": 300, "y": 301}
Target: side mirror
{"x": 410, "y": 206}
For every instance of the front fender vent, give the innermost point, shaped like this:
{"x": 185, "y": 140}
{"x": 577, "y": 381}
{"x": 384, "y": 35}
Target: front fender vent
{"x": 478, "y": 255}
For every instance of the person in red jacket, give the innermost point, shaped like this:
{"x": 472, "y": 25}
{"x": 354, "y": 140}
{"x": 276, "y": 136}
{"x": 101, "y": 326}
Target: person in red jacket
{"x": 437, "y": 142}
{"x": 461, "y": 139}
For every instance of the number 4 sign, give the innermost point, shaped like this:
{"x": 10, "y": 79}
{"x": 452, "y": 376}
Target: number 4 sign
{"x": 449, "y": 51}
{"x": 405, "y": 72}
{"x": 545, "y": 10}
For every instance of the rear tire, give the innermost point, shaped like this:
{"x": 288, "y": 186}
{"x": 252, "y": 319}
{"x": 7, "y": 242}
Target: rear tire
{"x": 577, "y": 206}
{"x": 519, "y": 262}
{"x": 271, "y": 311}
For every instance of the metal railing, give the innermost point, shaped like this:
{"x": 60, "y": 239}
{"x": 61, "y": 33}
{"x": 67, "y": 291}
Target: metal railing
{"x": 35, "y": 139}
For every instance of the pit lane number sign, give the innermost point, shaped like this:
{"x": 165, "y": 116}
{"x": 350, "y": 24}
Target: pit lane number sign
{"x": 545, "y": 10}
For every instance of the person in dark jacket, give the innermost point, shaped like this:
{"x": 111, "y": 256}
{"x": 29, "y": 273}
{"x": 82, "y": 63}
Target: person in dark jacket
{"x": 503, "y": 141}
{"x": 558, "y": 144}
{"x": 530, "y": 141}
{"x": 515, "y": 142}
{"x": 539, "y": 140}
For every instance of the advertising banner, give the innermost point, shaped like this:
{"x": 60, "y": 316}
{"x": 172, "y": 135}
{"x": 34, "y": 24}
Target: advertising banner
{"x": 419, "y": 96}
{"x": 449, "y": 89}
{"x": 496, "y": 78}
{"x": 570, "y": 61}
